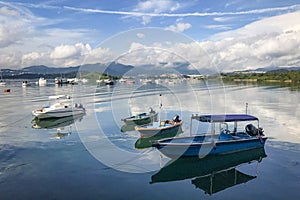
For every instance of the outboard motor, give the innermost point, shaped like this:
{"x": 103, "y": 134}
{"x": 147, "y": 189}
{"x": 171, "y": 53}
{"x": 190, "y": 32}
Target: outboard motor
{"x": 176, "y": 118}
{"x": 251, "y": 130}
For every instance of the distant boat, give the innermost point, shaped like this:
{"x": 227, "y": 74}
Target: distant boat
{"x": 2, "y": 83}
{"x": 105, "y": 82}
{"x": 25, "y": 84}
{"x": 160, "y": 128}
{"x": 42, "y": 81}
{"x": 225, "y": 141}
{"x": 109, "y": 82}
{"x": 142, "y": 118}
{"x": 60, "y": 108}
{"x": 61, "y": 81}
{"x": 211, "y": 174}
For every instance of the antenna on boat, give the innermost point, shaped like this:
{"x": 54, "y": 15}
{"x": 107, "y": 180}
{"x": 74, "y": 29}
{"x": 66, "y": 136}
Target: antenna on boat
{"x": 246, "y": 108}
{"x": 160, "y": 106}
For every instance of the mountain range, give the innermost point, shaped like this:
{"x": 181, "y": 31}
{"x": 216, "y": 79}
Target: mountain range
{"x": 118, "y": 69}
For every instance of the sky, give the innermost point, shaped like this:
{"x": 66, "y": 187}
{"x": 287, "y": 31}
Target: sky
{"x": 225, "y": 34}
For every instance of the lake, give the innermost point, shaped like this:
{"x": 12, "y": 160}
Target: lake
{"x": 96, "y": 157}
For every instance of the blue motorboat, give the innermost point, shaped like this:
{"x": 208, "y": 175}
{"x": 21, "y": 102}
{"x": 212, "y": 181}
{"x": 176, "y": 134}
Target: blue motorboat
{"x": 226, "y": 136}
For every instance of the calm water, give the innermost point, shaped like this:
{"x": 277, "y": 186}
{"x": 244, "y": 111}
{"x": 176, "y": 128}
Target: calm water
{"x": 96, "y": 157}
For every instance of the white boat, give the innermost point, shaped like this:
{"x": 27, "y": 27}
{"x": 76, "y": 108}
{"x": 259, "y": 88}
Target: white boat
{"x": 42, "y": 81}
{"x": 61, "y": 81}
{"x": 60, "y": 108}
{"x": 25, "y": 84}
{"x": 2, "y": 83}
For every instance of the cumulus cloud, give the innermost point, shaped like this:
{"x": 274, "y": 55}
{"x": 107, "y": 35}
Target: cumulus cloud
{"x": 271, "y": 41}
{"x": 154, "y": 6}
{"x": 179, "y": 27}
{"x": 68, "y": 51}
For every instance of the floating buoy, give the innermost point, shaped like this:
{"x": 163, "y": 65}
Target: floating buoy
{"x": 6, "y": 90}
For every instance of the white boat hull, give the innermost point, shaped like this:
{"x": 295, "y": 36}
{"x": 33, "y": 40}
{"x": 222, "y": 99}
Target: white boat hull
{"x": 58, "y": 113}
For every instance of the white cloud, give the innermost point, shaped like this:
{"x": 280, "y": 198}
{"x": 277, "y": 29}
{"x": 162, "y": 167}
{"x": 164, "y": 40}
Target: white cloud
{"x": 139, "y": 12}
{"x": 8, "y": 12}
{"x": 157, "y": 6}
{"x": 154, "y": 6}
{"x": 223, "y": 19}
{"x": 179, "y": 27}
{"x": 140, "y": 35}
{"x": 67, "y": 51}
{"x": 270, "y": 41}
{"x": 218, "y": 26}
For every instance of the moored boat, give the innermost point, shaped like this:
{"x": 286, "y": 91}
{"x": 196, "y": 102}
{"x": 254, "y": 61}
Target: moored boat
{"x": 42, "y": 81}
{"x": 60, "y": 108}
{"x": 225, "y": 141}
{"x": 25, "y": 84}
{"x": 160, "y": 128}
{"x": 142, "y": 118}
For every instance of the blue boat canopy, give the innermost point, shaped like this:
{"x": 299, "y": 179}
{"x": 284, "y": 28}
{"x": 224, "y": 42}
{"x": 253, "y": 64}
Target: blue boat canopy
{"x": 224, "y": 118}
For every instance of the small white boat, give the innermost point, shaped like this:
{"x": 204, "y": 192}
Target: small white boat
{"x": 61, "y": 81}
{"x": 25, "y": 84}
{"x": 60, "y": 108}
{"x": 2, "y": 83}
{"x": 42, "y": 81}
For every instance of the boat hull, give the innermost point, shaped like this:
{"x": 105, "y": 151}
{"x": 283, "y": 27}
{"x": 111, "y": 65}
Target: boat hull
{"x": 58, "y": 113}
{"x": 148, "y": 131}
{"x": 142, "y": 120}
{"x": 173, "y": 149}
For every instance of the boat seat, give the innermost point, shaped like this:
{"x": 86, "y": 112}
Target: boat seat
{"x": 224, "y": 136}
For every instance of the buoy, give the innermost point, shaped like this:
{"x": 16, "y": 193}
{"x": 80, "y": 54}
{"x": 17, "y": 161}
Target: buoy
{"x": 6, "y": 90}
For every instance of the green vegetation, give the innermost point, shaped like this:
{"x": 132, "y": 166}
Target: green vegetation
{"x": 278, "y": 78}
{"x": 271, "y": 76}
{"x": 99, "y": 76}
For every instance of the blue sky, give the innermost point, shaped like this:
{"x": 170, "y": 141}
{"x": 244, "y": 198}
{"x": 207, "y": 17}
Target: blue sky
{"x": 229, "y": 34}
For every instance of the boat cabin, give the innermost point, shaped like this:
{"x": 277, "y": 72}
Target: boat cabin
{"x": 230, "y": 124}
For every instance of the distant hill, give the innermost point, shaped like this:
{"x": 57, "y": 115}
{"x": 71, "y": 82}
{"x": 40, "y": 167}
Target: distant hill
{"x": 41, "y": 69}
{"x": 113, "y": 69}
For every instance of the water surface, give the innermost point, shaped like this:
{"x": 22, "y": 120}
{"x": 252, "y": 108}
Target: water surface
{"x": 93, "y": 158}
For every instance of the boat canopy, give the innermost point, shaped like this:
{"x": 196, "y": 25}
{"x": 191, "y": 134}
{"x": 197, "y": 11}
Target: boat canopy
{"x": 224, "y": 118}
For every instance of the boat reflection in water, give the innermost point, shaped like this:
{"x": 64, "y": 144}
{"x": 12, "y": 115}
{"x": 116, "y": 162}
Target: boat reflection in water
{"x": 143, "y": 142}
{"x": 126, "y": 128}
{"x": 57, "y": 123}
{"x": 212, "y": 173}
